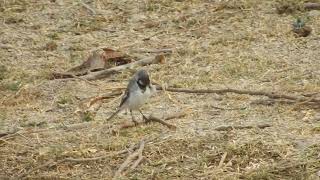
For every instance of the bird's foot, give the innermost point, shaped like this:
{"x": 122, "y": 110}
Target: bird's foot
{"x": 146, "y": 120}
{"x": 135, "y": 122}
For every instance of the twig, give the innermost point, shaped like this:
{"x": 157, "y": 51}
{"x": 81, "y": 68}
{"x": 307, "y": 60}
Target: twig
{"x": 129, "y": 159}
{"x": 105, "y": 73}
{"x": 153, "y": 51}
{"x": 227, "y": 128}
{"x": 149, "y": 37}
{"x": 155, "y": 119}
{"x": 69, "y": 76}
{"x": 86, "y": 104}
{"x": 140, "y": 156}
{"x": 311, "y": 94}
{"x": 88, "y": 7}
{"x": 137, "y": 162}
{"x": 228, "y": 109}
{"x": 308, "y": 100}
{"x": 72, "y": 76}
{"x": 254, "y": 93}
{"x": 83, "y": 79}
{"x": 223, "y": 158}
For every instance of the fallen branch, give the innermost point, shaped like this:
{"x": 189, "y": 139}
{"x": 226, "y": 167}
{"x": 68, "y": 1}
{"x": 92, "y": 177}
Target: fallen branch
{"x": 155, "y": 119}
{"x": 312, "y": 6}
{"x": 105, "y": 73}
{"x": 227, "y": 128}
{"x": 137, "y": 154}
{"x": 271, "y": 95}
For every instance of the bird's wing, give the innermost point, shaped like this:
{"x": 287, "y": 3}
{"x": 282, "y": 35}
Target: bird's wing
{"x": 130, "y": 87}
{"x": 125, "y": 97}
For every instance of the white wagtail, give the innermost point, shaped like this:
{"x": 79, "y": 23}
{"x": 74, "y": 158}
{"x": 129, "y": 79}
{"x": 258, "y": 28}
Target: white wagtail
{"x": 138, "y": 91}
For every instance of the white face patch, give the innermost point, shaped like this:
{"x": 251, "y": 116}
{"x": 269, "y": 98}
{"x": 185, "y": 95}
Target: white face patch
{"x": 140, "y": 82}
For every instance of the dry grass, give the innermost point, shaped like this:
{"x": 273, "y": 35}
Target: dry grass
{"x": 217, "y": 44}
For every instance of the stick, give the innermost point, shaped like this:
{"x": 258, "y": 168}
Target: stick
{"x": 170, "y": 126}
{"x": 105, "y": 73}
{"x": 227, "y": 128}
{"x": 271, "y": 95}
{"x": 148, "y": 38}
{"x": 105, "y": 96}
{"x": 223, "y": 158}
{"x": 129, "y": 160}
{"x": 153, "y": 51}
{"x": 228, "y": 109}
{"x": 152, "y": 118}
{"x": 70, "y": 76}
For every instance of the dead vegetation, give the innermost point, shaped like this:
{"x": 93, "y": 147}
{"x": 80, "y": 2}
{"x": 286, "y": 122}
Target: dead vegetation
{"x": 242, "y": 88}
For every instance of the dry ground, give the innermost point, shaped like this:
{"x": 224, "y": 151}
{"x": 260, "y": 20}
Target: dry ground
{"x": 218, "y": 44}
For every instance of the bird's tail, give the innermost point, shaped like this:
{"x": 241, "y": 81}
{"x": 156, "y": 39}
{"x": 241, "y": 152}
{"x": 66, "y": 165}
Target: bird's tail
{"x": 115, "y": 113}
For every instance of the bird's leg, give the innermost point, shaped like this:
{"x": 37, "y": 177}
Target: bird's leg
{"x": 144, "y": 117}
{"x": 133, "y": 119}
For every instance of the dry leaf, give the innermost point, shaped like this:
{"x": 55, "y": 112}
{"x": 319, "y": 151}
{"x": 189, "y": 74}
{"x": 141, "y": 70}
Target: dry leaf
{"x": 98, "y": 60}
{"x": 161, "y": 58}
{"x": 114, "y": 58}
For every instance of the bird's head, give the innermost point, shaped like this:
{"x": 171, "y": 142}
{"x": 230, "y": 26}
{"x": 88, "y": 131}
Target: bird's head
{"x": 142, "y": 77}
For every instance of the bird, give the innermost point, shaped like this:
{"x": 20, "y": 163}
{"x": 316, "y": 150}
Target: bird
{"x": 138, "y": 91}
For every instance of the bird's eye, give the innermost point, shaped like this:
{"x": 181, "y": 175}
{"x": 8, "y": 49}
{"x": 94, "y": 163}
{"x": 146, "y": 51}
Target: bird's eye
{"x": 140, "y": 82}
